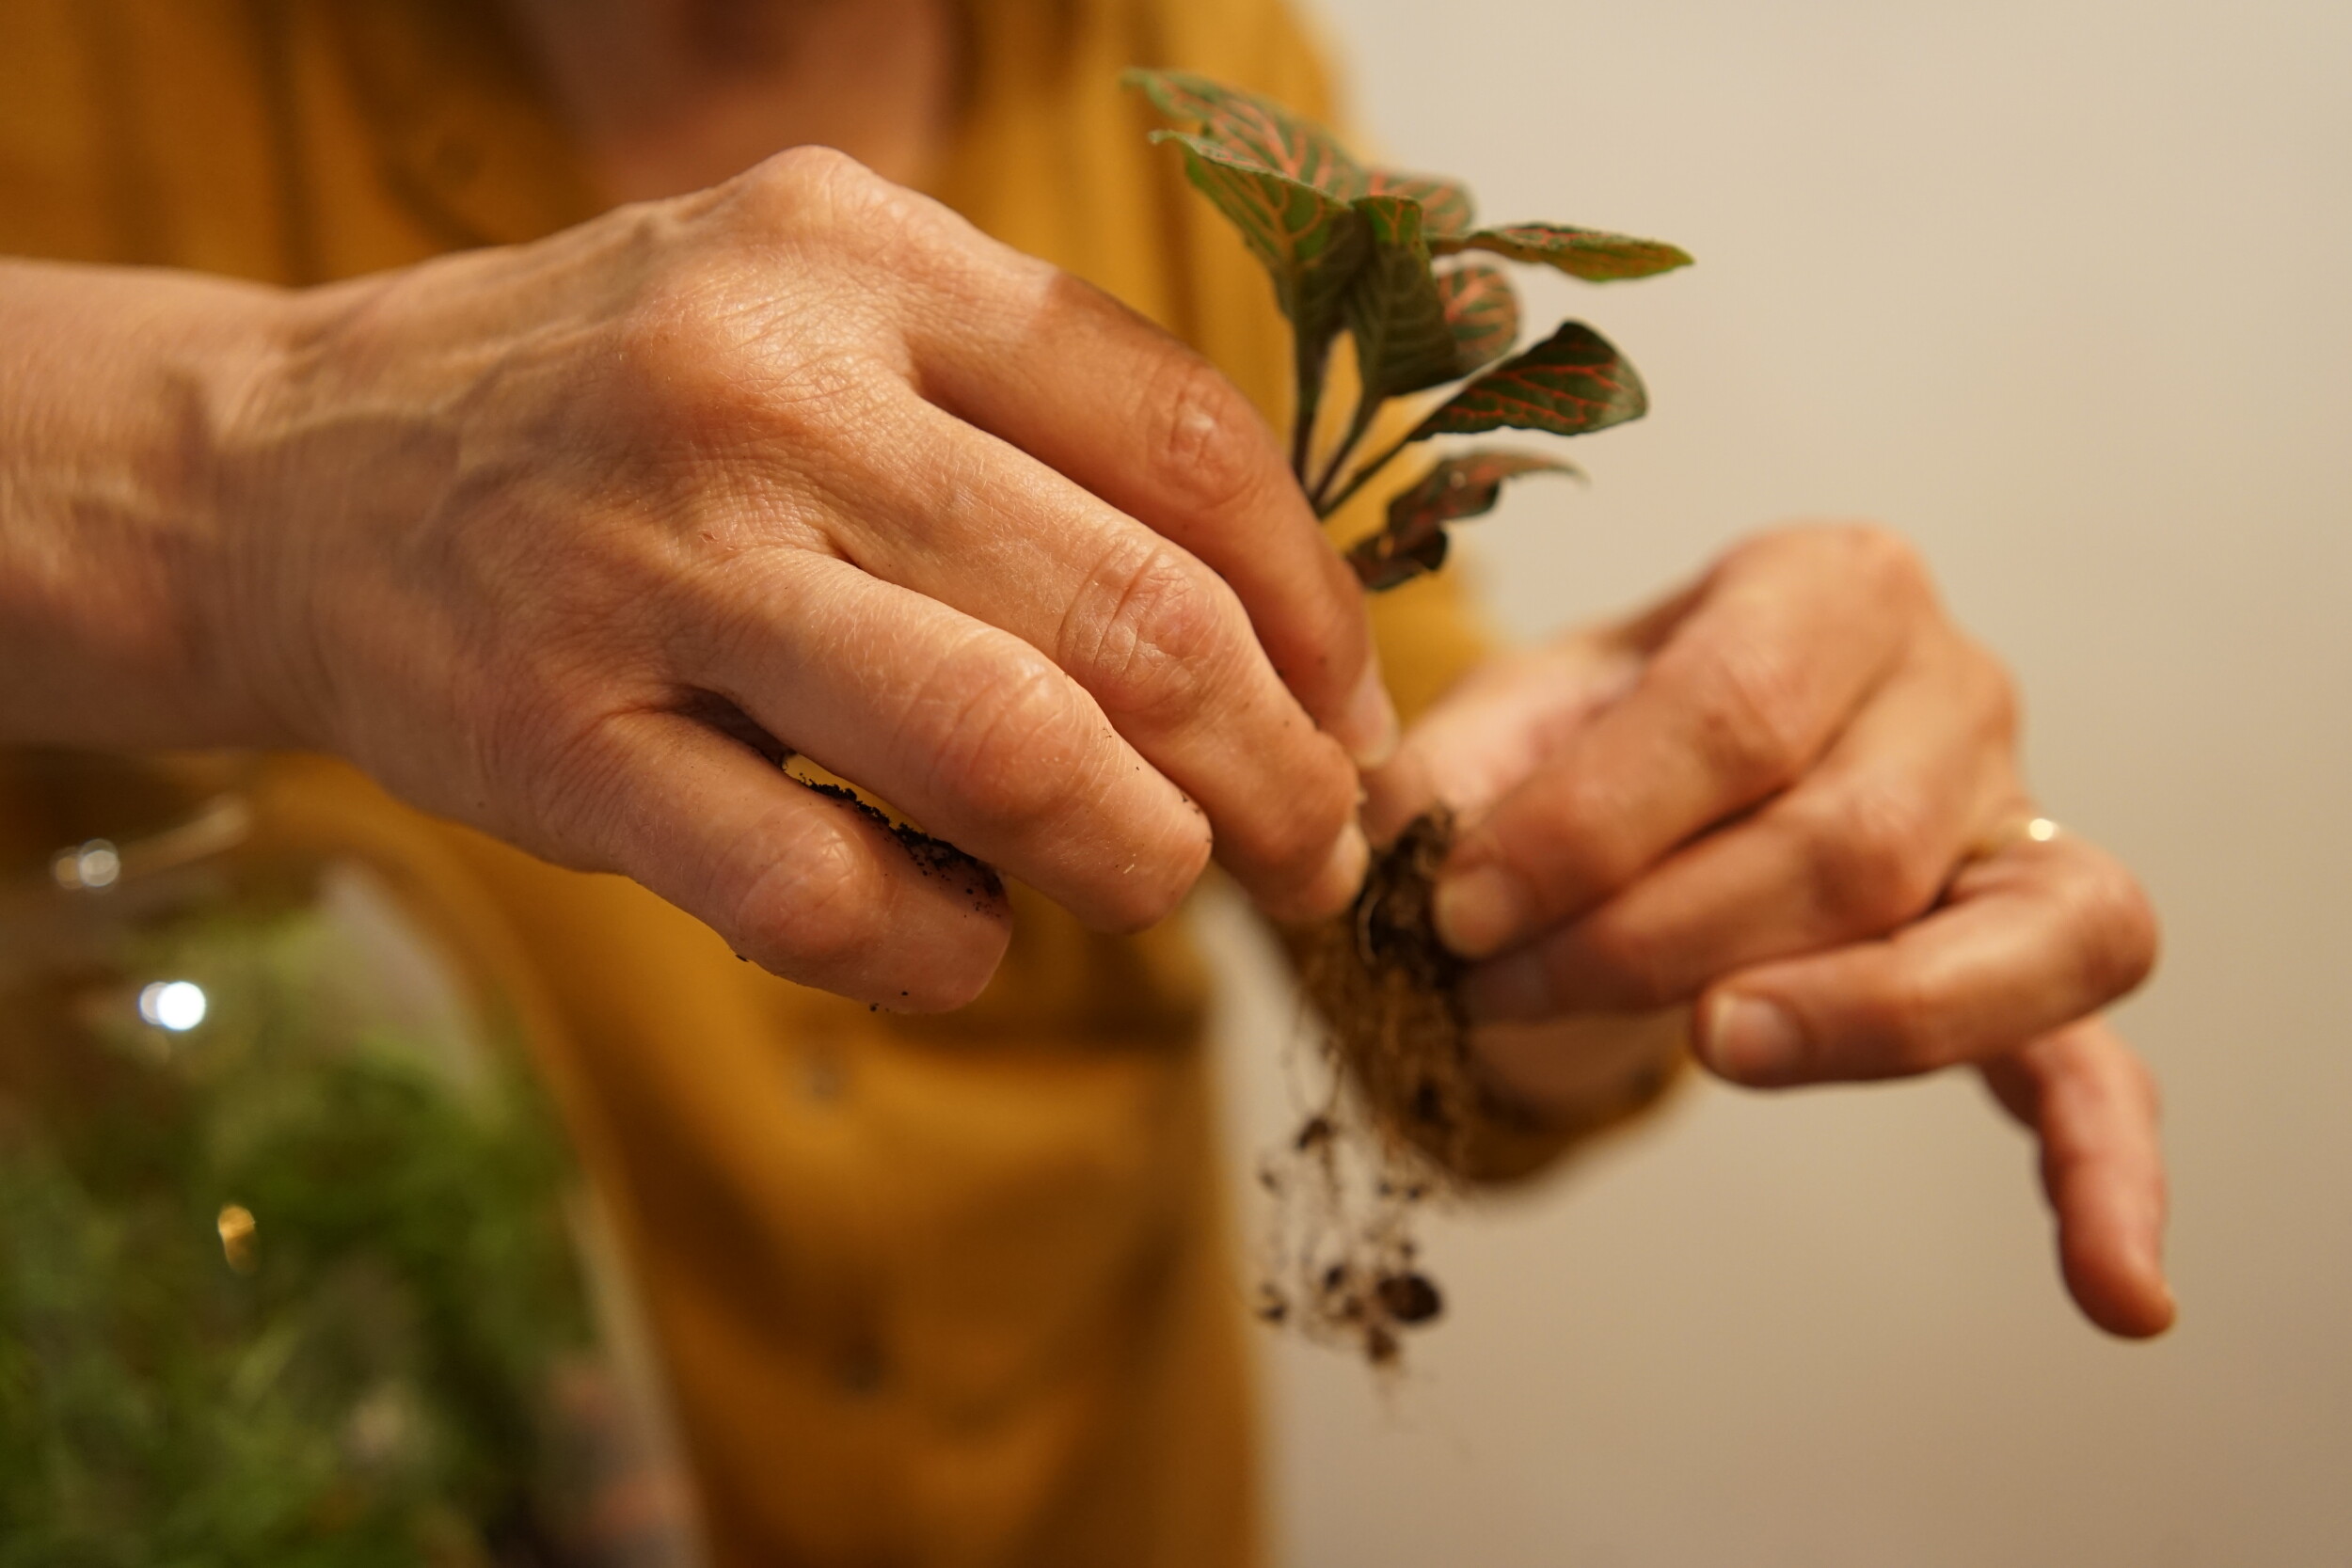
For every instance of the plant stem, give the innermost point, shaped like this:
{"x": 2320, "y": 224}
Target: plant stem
{"x": 1360, "y": 478}
{"x": 1366, "y": 410}
{"x": 1307, "y": 365}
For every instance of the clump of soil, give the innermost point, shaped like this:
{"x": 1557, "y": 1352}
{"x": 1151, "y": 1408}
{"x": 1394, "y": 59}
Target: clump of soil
{"x": 933, "y": 857}
{"x": 1343, "y": 1264}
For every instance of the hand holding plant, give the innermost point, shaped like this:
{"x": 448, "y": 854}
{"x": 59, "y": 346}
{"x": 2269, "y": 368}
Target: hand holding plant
{"x": 1384, "y": 258}
{"x": 1777, "y": 812}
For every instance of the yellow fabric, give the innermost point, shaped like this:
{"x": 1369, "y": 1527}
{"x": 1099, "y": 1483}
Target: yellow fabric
{"x": 930, "y": 1292}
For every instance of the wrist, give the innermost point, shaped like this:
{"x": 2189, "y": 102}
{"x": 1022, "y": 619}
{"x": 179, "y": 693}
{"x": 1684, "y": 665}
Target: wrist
{"x": 292, "y": 464}
{"x": 123, "y": 618}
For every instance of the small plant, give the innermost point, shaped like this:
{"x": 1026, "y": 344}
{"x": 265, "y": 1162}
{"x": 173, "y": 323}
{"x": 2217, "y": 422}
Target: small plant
{"x": 1385, "y": 259}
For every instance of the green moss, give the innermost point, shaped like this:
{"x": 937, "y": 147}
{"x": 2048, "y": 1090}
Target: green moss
{"x": 368, "y": 1389}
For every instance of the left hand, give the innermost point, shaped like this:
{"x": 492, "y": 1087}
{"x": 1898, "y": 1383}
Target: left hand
{"x": 1788, "y": 795}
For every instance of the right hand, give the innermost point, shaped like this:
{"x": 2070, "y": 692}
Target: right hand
{"x": 806, "y": 449}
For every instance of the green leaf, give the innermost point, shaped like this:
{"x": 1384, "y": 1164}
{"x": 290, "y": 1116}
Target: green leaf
{"x": 1298, "y": 231}
{"x": 1464, "y": 485}
{"x": 1313, "y": 245}
{"x": 1482, "y": 311}
{"x": 1255, "y": 131}
{"x": 1586, "y": 253}
{"x": 1572, "y": 384}
{"x": 1445, "y": 204}
{"x": 1396, "y": 308}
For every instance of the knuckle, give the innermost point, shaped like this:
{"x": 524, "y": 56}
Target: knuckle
{"x": 1581, "y": 837}
{"x": 566, "y": 772}
{"x": 673, "y": 371}
{"x": 1880, "y": 565}
{"x": 1882, "y": 559}
{"x": 690, "y": 373}
{"x": 1751, "y": 717}
{"x": 1871, "y": 858}
{"x": 1165, "y": 638}
{"x": 813, "y": 184}
{"x": 1207, "y": 446}
{"x": 817, "y": 907}
{"x": 1011, "y": 742}
{"x": 2114, "y": 927}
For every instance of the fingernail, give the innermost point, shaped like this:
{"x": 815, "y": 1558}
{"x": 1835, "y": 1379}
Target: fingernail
{"x": 1508, "y": 990}
{"x": 1370, "y": 729}
{"x": 1343, "y": 873}
{"x": 1479, "y": 910}
{"x": 1748, "y": 1040}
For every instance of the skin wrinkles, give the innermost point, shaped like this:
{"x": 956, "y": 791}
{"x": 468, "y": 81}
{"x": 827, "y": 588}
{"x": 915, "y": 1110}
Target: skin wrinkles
{"x": 1872, "y": 914}
{"x": 487, "y": 526}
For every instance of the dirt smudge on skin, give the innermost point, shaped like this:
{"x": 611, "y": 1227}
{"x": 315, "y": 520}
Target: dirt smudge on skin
{"x": 931, "y": 856}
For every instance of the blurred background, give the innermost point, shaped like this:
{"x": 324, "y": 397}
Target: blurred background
{"x": 2062, "y": 291}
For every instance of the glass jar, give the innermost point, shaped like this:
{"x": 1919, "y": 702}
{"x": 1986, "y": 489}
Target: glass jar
{"x": 295, "y": 1263}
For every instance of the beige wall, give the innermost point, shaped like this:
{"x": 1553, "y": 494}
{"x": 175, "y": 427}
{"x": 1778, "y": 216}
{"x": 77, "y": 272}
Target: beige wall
{"x": 2064, "y": 289}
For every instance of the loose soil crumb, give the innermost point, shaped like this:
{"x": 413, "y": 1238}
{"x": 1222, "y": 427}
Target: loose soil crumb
{"x": 933, "y": 857}
{"x": 1343, "y": 1264}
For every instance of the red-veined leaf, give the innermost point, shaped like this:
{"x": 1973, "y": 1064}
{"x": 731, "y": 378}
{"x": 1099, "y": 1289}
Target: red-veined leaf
{"x": 1256, "y": 130}
{"x": 1464, "y": 485}
{"x": 1585, "y": 253}
{"x": 1396, "y": 310}
{"x": 1313, "y": 245}
{"x": 1482, "y": 311}
{"x": 1570, "y": 384}
{"x": 1445, "y": 204}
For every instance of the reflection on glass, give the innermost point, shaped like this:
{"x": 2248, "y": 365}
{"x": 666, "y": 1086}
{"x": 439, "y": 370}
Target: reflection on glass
{"x": 174, "y": 1005}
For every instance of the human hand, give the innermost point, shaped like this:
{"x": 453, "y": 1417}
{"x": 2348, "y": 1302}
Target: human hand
{"x": 1788, "y": 796}
{"x": 528, "y": 533}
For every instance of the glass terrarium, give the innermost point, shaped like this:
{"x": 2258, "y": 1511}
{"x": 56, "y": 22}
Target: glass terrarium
{"x": 295, "y": 1264}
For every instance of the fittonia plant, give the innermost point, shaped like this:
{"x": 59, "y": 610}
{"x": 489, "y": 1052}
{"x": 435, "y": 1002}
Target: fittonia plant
{"x": 1386, "y": 258}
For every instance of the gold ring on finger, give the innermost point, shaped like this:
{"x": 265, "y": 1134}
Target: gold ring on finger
{"x": 2016, "y": 830}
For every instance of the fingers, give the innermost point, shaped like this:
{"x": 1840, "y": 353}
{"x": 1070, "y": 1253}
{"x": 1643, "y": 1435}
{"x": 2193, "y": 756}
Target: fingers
{"x": 1061, "y": 371}
{"x": 969, "y": 729}
{"x": 2030, "y": 938}
{"x": 1565, "y": 1069}
{"x": 805, "y": 886}
{"x": 1860, "y": 846}
{"x": 1480, "y": 740}
{"x": 1779, "y": 648}
{"x": 1157, "y": 640}
{"x": 2094, "y": 1105}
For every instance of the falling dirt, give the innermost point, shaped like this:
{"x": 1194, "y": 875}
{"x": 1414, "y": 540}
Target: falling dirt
{"x": 1342, "y": 1263}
